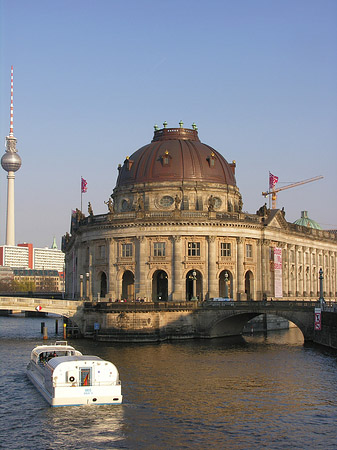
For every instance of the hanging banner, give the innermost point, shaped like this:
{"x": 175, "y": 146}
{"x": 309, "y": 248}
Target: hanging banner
{"x": 318, "y": 319}
{"x": 278, "y": 272}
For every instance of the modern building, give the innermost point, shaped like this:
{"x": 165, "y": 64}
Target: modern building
{"x": 39, "y": 280}
{"x": 175, "y": 230}
{"x": 25, "y": 256}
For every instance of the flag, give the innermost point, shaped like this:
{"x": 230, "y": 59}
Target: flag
{"x": 273, "y": 179}
{"x": 83, "y": 185}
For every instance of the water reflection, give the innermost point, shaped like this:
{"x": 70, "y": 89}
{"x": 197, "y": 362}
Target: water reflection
{"x": 257, "y": 392}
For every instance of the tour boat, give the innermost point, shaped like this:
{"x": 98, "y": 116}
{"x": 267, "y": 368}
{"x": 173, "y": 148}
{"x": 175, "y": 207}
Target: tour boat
{"x": 65, "y": 377}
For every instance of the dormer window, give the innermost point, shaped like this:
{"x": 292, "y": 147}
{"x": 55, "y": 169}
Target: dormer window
{"x": 166, "y": 158}
{"x": 211, "y": 159}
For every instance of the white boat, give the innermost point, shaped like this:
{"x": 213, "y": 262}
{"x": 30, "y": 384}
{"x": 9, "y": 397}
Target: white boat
{"x": 65, "y": 377}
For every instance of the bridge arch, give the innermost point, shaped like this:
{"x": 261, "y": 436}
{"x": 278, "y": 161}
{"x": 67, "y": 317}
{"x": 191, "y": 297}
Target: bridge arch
{"x": 232, "y": 323}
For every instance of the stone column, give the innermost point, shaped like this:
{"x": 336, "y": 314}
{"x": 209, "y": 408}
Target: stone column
{"x": 140, "y": 272}
{"x": 265, "y": 267}
{"x": 91, "y": 273}
{"x": 297, "y": 268}
{"x": 213, "y": 283}
{"x": 291, "y": 271}
{"x": 240, "y": 268}
{"x": 112, "y": 272}
{"x": 310, "y": 286}
{"x": 259, "y": 270}
{"x": 285, "y": 270}
{"x": 305, "y": 274}
{"x": 178, "y": 291}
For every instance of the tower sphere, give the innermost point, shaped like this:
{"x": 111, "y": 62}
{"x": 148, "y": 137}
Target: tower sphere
{"x": 11, "y": 162}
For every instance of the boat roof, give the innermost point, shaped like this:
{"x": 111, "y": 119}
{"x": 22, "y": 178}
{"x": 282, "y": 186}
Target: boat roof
{"x": 59, "y": 345}
{"x": 54, "y": 362}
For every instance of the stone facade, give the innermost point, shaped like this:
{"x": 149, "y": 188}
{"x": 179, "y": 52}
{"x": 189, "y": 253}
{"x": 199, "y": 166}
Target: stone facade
{"x": 175, "y": 231}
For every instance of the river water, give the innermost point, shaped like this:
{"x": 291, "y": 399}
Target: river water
{"x": 260, "y": 392}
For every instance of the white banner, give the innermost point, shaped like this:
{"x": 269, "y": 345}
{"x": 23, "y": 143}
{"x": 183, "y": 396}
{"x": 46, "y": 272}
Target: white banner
{"x": 278, "y": 272}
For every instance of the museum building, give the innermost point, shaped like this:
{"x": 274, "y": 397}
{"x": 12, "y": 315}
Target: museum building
{"x": 175, "y": 230}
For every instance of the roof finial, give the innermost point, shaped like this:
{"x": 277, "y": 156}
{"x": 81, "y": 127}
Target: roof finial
{"x": 155, "y": 127}
{"x": 194, "y": 126}
{"x": 181, "y": 123}
{"x": 165, "y": 124}
{"x": 11, "y": 115}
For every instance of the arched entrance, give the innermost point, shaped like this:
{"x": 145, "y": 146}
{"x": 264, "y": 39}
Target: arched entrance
{"x": 159, "y": 286}
{"x": 104, "y": 285}
{"x": 194, "y": 285}
{"x": 226, "y": 284}
{"x": 249, "y": 285}
{"x": 128, "y": 286}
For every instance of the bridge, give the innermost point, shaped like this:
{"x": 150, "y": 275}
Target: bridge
{"x": 109, "y": 321}
{"x": 65, "y": 308}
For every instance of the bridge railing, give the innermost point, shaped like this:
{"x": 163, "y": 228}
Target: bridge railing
{"x": 192, "y": 305}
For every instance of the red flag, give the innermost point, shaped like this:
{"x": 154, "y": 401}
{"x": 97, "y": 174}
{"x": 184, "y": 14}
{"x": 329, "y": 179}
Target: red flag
{"x": 273, "y": 179}
{"x": 83, "y": 185}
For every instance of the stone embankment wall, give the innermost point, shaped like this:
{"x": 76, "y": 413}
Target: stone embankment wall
{"x": 328, "y": 334}
{"x": 141, "y": 326}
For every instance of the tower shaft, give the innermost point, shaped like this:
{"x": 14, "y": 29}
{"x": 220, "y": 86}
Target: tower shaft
{"x": 10, "y": 224}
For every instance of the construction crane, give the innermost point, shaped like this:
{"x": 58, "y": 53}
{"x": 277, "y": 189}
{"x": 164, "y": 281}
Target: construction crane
{"x": 274, "y": 191}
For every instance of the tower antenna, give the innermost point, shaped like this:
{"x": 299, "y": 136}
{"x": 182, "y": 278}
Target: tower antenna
{"x": 12, "y": 106}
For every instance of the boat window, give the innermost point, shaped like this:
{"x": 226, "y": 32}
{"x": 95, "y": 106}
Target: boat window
{"x": 85, "y": 377}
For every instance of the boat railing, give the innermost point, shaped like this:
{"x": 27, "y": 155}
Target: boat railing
{"x": 57, "y": 384}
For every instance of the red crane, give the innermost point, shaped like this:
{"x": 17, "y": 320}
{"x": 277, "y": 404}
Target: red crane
{"x": 274, "y": 191}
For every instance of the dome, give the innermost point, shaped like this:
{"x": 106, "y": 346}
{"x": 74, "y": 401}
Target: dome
{"x": 176, "y": 154}
{"x": 306, "y": 222}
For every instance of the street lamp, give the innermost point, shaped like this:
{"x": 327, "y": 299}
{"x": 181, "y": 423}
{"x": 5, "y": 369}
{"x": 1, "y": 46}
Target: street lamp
{"x": 87, "y": 286}
{"x": 321, "y": 298}
{"x": 226, "y": 284}
{"x": 81, "y": 286}
{"x": 193, "y": 277}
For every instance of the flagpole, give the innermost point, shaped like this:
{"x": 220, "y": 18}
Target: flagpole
{"x": 81, "y": 192}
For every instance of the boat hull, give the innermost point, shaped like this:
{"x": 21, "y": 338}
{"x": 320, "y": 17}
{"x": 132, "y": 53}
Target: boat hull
{"x": 65, "y": 377}
{"x": 77, "y": 396}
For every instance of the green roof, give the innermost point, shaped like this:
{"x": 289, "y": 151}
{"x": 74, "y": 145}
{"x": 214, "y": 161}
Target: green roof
{"x": 305, "y": 221}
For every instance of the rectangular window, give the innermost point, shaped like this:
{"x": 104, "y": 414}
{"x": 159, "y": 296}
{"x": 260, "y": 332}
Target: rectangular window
{"x": 226, "y": 249}
{"x": 194, "y": 249}
{"x": 126, "y": 250}
{"x": 159, "y": 249}
{"x": 102, "y": 251}
{"x": 85, "y": 377}
{"x": 249, "y": 250}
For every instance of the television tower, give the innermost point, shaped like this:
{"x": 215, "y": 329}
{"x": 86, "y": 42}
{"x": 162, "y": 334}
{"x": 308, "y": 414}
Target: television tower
{"x": 11, "y": 162}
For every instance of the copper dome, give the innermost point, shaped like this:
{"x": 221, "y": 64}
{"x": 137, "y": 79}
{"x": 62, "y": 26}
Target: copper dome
{"x": 176, "y": 154}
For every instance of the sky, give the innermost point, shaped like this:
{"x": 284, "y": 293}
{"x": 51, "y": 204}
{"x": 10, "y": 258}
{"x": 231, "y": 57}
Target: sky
{"x": 92, "y": 78}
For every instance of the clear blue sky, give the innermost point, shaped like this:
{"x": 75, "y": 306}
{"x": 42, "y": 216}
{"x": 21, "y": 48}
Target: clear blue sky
{"x": 91, "y": 78}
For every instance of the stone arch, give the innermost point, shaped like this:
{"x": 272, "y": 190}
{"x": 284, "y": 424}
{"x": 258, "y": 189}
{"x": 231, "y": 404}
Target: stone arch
{"x": 249, "y": 285}
{"x": 128, "y": 285}
{"x": 232, "y": 324}
{"x": 160, "y": 286}
{"x": 226, "y": 287}
{"x": 194, "y": 278}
